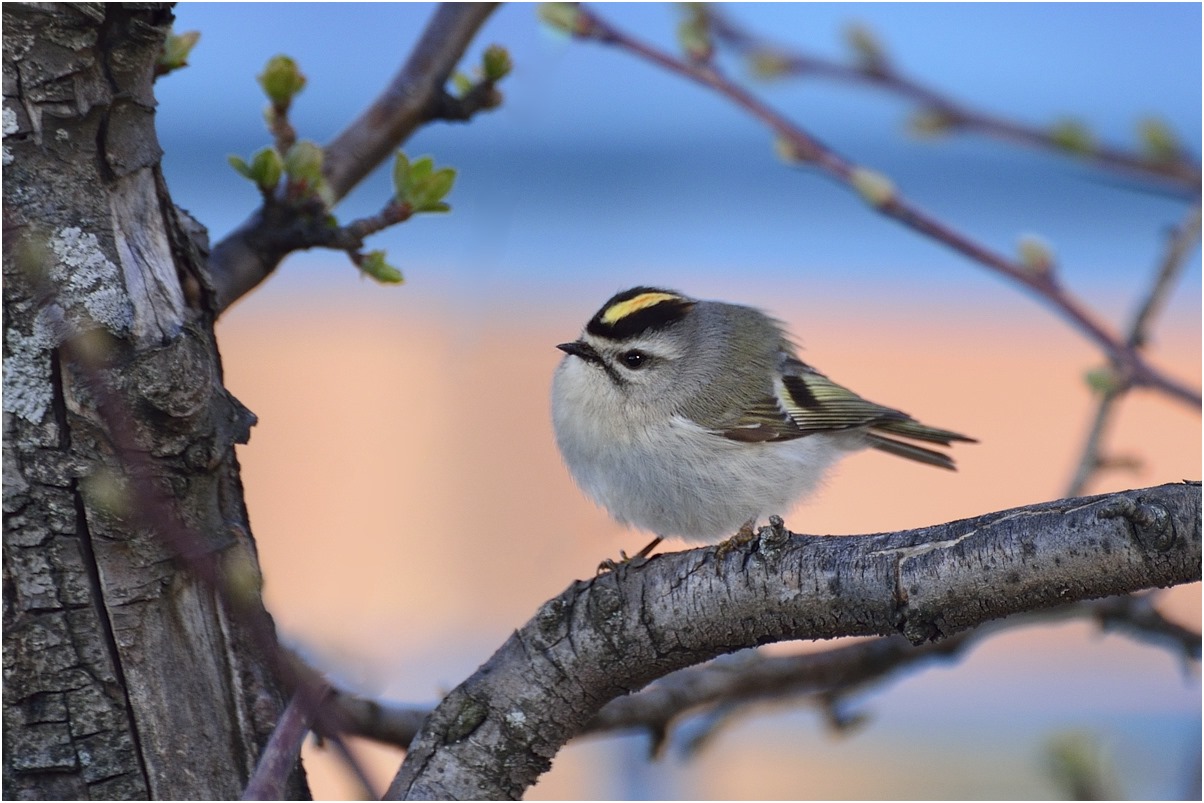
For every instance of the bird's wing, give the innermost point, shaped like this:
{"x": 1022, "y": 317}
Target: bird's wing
{"x": 806, "y": 402}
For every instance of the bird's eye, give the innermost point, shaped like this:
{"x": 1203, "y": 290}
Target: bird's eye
{"x": 635, "y": 359}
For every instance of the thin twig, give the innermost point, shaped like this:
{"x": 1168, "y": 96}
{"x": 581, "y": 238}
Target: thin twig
{"x": 1183, "y": 172}
{"x": 280, "y": 753}
{"x": 249, "y": 254}
{"x": 1179, "y": 246}
{"x": 413, "y": 97}
{"x": 809, "y": 149}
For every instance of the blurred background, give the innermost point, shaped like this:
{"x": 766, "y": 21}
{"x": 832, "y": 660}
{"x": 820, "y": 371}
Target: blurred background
{"x": 408, "y": 501}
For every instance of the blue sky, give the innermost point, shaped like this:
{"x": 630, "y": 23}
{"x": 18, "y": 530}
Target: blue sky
{"x": 600, "y": 168}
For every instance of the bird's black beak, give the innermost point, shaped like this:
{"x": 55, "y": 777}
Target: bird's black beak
{"x": 579, "y": 348}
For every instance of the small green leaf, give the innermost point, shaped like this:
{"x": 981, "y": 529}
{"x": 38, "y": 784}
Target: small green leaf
{"x": 1158, "y": 141}
{"x": 496, "y": 63}
{"x": 240, "y": 165}
{"x": 420, "y": 185}
{"x": 176, "y": 49}
{"x": 1073, "y": 136}
{"x": 430, "y": 191}
{"x": 562, "y": 17}
{"x": 876, "y": 189}
{"x": 420, "y": 169}
{"x": 401, "y": 176}
{"x": 373, "y": 264}
{"x": 281, "y": 80}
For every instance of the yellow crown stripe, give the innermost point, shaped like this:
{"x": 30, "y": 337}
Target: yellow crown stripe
{"x": 617, "y": 312}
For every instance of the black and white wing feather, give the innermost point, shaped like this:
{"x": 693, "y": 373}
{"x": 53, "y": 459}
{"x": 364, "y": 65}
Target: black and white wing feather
{"x": 806, "y": 402}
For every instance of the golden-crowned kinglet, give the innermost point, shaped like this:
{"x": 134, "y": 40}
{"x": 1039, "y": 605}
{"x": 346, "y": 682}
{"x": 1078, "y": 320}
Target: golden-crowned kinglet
{"x": 692, "y": 418}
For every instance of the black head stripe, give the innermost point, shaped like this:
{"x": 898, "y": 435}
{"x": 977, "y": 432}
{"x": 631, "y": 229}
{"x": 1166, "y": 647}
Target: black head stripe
{"x": 638, "y": 310}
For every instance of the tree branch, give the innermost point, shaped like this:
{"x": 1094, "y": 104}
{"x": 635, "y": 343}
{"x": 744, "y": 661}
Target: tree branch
{"x": 1180, "y": 171}
{"x": 412, "y": 98}
{"x": 1179, "y": 247}
{"x": 753, "y": 677}
{"x": 497, "y": 732}
{"x": 250, "y": 253}
{"x": 884, "y": 197}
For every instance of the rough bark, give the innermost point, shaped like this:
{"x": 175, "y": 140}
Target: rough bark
{"x": 125, "y": 676}
{"x": 497, "y": 732}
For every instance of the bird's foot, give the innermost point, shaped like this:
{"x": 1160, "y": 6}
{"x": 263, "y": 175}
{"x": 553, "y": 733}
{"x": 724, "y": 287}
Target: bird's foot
{"x": 745, "y": 535}
{"x": 609, "y": 565}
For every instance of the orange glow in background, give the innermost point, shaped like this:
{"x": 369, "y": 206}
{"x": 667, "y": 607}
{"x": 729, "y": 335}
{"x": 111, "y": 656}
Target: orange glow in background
{"x": 411, "y": 510}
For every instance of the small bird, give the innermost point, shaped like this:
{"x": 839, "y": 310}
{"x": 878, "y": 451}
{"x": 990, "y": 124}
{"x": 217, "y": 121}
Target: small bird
{"x": 694, "y": 418}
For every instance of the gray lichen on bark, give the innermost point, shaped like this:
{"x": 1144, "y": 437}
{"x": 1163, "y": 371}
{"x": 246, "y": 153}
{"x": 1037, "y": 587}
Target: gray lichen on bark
{"x": 125, "y": 676}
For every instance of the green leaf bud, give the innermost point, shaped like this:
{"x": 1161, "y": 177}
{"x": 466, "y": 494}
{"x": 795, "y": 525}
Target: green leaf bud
{"x": 496, "y": 63}
{"x": 281, "y": 80}
{"x": 929, "y": 123}
{"x": 768, "y": 64}
{"x": 303, "y": 162}
{"x": 694, "y": 33}
{"x": 1035, "y": 255}
{"x": 1073, "y": 136}
{"x": 867, "y": 49}
{"x": 562, "y": 17}
{"x": 785, "y": 150}
{"x": 876, "y": 189}
{"x": 1158, "y": 141}
{"x": 266, "y": 168}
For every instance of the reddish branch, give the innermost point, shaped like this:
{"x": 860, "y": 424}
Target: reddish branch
{"x": 952, "y": 114}
{"x": 1132, "y": 366}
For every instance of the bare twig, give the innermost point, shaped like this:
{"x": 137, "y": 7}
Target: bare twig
{"x": 388, "y": 722}
{"x": 280, "y": 753}
{"x": 1179, "y": 246}
{"x": 250, "y": 253}
{"x": 808, "y": 149}
{"x": 413, "y": 97}
{"x": 1181, "y": 171}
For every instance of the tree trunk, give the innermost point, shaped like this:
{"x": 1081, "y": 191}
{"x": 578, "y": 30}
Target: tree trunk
{"x": 125, "y": 674}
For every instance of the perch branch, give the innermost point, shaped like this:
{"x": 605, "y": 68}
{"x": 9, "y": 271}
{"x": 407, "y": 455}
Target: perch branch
{"x": 493, "y": 735}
